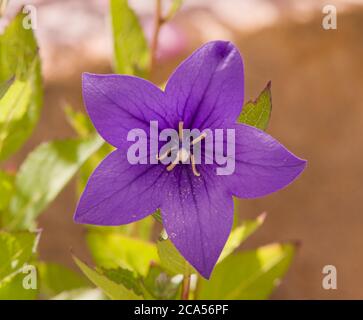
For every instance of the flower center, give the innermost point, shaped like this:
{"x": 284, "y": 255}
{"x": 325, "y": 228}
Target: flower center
{"x": 183, "y": 155}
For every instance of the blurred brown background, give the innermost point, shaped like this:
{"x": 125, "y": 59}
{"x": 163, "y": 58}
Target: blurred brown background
{"x": 317, "y": 81}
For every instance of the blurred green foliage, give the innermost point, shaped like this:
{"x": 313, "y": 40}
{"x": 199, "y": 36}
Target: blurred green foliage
{"x": 44, "y": 173}
{"x": 248, "y": 275}
{"x": 111, "y": 288}
{"x": 16, "y": 250}
{"x": 122, "y": 251}
{"x": 21, "y": 86}
{"x": 55, "y": 279}
{"x": 41, "y": 177}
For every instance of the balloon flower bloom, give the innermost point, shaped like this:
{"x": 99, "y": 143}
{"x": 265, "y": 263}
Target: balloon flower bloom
{"x": 182, "y": 151}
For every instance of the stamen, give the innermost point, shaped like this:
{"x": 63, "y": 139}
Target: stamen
{"x": 200, "y": 138}
{"x": 181, "y": 124}
{"x": 171, "y": 166}
{"x": 194, "y": 168}
{"x": 183, "y": 155}
{"x": 165, "y": 154}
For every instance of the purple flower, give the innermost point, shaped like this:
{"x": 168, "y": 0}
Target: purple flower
{"x": 205, "y": 92}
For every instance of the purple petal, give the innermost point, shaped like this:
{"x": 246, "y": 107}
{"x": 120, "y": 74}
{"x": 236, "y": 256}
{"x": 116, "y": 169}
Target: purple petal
{"x": 119, "y": 193}
{"x": 197, "y": 215}
{"x": 208, "y": 87}
{"x": 263, "y": 165}
{"x": 118, "y": 103}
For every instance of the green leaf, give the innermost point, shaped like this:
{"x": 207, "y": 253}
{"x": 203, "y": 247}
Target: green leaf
{"x": 111, "y": 250}
{"x": 160, "y": 285}
{"x": 156, "y": 285}
{"x": 131, "y": 52}
{"x": 141, "y": 229}
{"x": 16, "y": 250}
{"x": 257, "y": 113}
{"x": 127, "y": 278}
{"x": 21, "y": 103}
{"x": 80, "y": 123}
{"x": 83, "y": 126}
{"x": 81, "y": 294}
{"x": 43, "y": 175}
{"x": 90, "y": 165}
{"x": 4, "y": 87}
{"x": 171, "y": 260}
{"x": 174, "y": 263}
{"x": 6, "y": 190}
{"x": 55, "y": 278}
{"x": 18, "y": 50}
{"x": 249, "y": 275}
{"x": 112, "y": 289}
{"x": 13, "y": 289}
{"x": 240, "y": 234}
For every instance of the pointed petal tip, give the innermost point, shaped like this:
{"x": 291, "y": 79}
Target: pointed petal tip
{"x": 85, "y": 75}
{"x": 88, "y": 76}
{"x": 78, "y": 218}
{"x": 89, "y": 220}
{"x": 221, "y": 43}
{"x": 87, "y": 79}
{"x": 212, "y": 78}
{"x": 299, "y": 166}
{"x": 206, "y": 274}
{"x": 301, "y": 163}
{"x": 81, "y": 216}
{"x": 274, "y": 166}
{"x": 223, "y": 48}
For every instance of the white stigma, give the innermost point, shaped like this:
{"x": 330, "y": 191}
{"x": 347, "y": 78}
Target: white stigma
{"x": 183, "y": 155}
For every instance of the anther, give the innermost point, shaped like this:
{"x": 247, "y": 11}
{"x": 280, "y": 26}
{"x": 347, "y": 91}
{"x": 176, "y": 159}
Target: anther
{"x": 171, "y": 166}
{"x": 182, "y": 155}
{"x": 165, "y": 154}
{"x": 181, "y": 125}
{"x": 200, "y": 138}
{"x": 194, "y": 168}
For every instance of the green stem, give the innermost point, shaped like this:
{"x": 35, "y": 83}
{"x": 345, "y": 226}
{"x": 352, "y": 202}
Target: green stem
{"x": 186, "y": 284}
{"x": 158, "y": 22}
